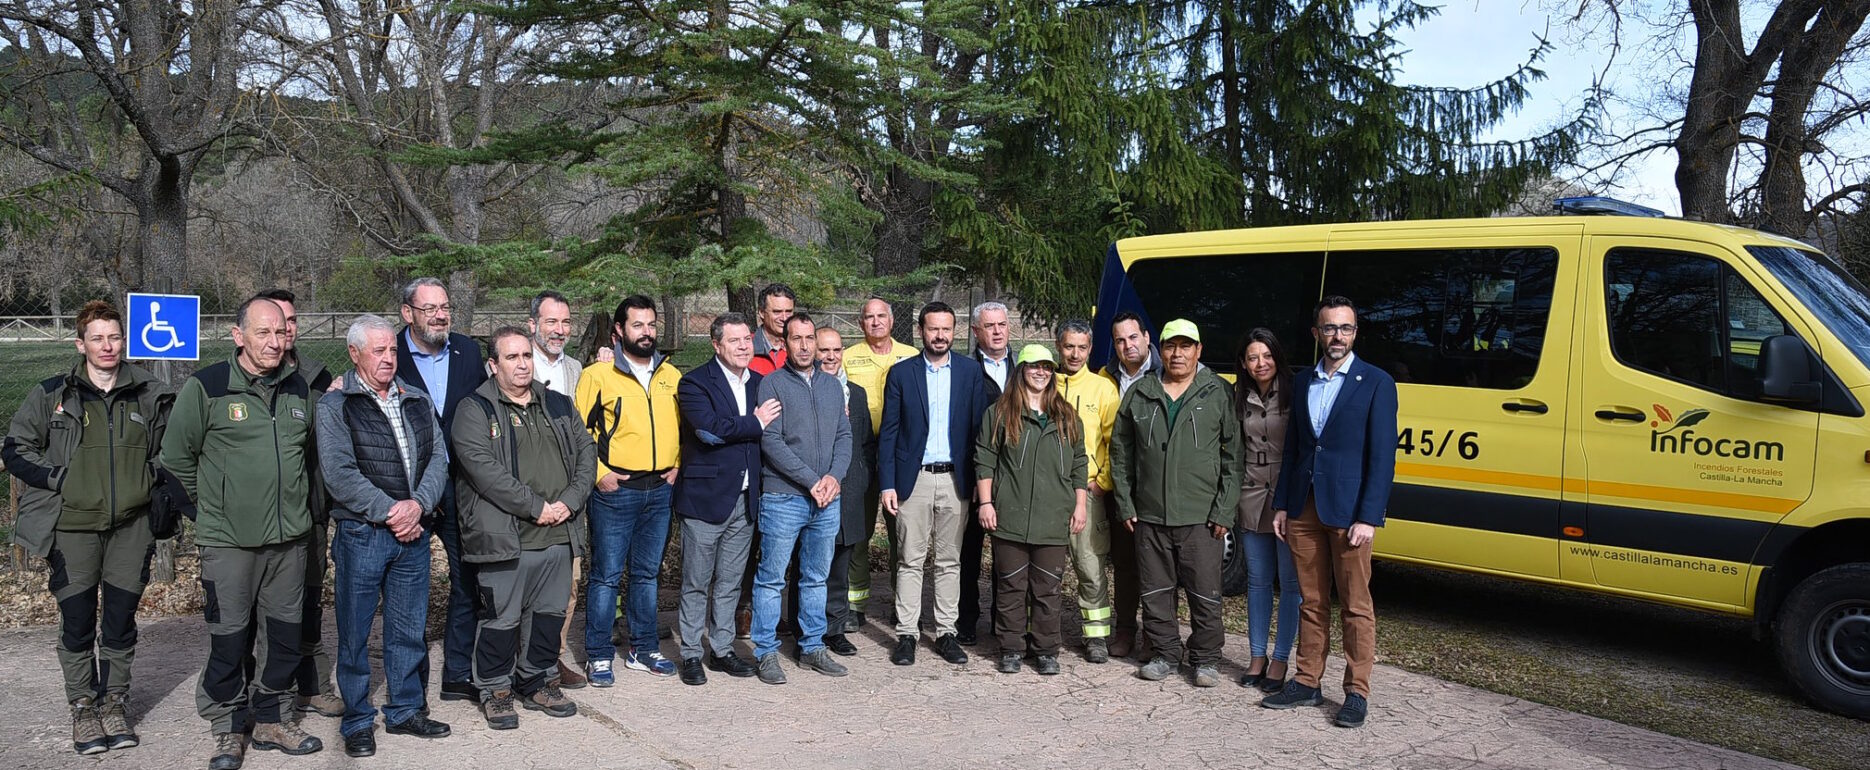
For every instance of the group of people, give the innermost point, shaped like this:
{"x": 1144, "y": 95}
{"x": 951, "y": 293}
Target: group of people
{"x": 776, "y": 458}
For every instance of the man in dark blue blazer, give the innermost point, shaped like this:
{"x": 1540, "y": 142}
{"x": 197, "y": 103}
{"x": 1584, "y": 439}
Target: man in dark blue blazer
{"x": 932, "y": 408}
{"x": 446, "y": 366}
{"x": 717, "y": 495}
{"x": 1334, "y": 484}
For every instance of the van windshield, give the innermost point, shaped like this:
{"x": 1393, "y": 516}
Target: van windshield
{"x": 1836, "y": 298}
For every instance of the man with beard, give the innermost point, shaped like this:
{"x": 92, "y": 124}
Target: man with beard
{"x": 446, "y": 366}
{"x": 630, "y": 407}
{"x": 558, "y": 371}
{"x": 1344, "y": 425}
{"x": 932, "y": 410}
{"x": 1132, "y": 359}
{"x": 313, "y": 680}
{"x": 866, "y": 365}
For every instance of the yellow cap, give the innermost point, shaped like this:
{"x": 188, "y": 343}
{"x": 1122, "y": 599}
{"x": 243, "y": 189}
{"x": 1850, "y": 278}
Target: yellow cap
{"x": 1036, "y": 353}
{"x": 1181, "y": 327}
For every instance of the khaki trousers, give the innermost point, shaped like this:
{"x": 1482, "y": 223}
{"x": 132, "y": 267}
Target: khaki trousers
{"x": 929, "y": 526}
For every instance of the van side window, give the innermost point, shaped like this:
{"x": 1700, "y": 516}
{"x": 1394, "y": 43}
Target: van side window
{"x": 1462, "y": 317}
{"x": 1688, "y": 318}
{"x": 1229, "y": 294}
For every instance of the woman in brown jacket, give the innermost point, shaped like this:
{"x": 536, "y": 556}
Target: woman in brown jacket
{"x": 1260, "y": 398}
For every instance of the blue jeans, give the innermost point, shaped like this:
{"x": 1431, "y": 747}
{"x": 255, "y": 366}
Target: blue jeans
{"x": 373, "y": 570}
{"x": 785, "y": 521}
{"x": 628, "y": 526}
{"x": 1265, "y": 554}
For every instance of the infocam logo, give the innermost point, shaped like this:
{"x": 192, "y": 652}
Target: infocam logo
{"x": 1680, "y": 438}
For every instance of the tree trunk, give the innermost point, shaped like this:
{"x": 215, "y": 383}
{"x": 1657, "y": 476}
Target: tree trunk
{"x": 461, "y": 296}
{"x": 907, "y": 211}
{"x": 162, "y": 222}
{"x": 1710, "y": 125}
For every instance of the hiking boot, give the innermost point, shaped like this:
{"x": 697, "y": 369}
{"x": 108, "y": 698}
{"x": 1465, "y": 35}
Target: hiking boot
{"x": 1206, "y": 675}
{"x": 1047, "y": 665}
{"x": 498, "y": 708}
{"x": 284, "y": 737}
{"x": 230, "y": 750}
{"x": 87, "y": 733}
{"x": 770, "y": 672}
{"x": 570, "y": 678}
{"x": 1157, "y": 669}
{"x": 552, "y": 701}
{"x": 1009, "y": 663}
{"x": 326, "y": 703}
{"x": 116, "y": 721}
{"x": 1097, "y": 650}
{"x": 822, "y": 662}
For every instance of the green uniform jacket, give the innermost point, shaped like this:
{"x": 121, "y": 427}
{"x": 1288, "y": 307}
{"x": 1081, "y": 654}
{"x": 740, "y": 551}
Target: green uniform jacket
{"x": 243, "y": 450}
{"x": 1035, "y": 483}
{"x": 488, "y": 493}
{"x": 1181, "y": 474}
{"x": 109, "y": 487}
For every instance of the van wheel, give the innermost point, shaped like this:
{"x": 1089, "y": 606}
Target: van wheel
{"x": 1234, "y": 563}
{"x": 1823, "y": 636}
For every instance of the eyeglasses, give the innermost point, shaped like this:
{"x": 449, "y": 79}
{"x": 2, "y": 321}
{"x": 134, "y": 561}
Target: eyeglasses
{"x": 1337, "y": 330}
{"x": 431, "y": 309}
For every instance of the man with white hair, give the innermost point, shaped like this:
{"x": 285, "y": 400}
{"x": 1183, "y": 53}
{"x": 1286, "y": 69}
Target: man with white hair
{"x": 386, "y": 467}
{"x": 993, "y": 349}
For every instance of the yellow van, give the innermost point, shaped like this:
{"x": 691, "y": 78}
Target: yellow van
{"x": 1659, "y": 409}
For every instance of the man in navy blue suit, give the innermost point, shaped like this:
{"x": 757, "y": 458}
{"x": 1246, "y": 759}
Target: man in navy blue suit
{"x": 447, "y": 366}
{"x": 932, "y": 407}
{"x": 1340, "y": 461}
{"x": 717, "y": 495}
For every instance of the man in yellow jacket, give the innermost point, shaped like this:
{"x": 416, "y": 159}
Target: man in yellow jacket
{"x": 1095, "y": 397}
{"x": 629, "y": 405}
{"x": 866, "y": 365}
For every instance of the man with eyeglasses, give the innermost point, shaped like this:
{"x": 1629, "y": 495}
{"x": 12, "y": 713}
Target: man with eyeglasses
{"x": 1334, "y": 483}
{"x": 447, "y": 366}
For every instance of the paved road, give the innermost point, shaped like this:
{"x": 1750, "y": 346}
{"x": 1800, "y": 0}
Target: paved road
{"x": 934, "y": 716}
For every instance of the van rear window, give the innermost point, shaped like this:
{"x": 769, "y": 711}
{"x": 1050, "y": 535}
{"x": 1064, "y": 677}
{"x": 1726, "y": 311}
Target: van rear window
{"x": 1461, "y": 317}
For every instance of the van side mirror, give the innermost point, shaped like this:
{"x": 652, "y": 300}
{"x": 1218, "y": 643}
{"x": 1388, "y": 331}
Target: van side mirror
{"x": 1788, "y": 370}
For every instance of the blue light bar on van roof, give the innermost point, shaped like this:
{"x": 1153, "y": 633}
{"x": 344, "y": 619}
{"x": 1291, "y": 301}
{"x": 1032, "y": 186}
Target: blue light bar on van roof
{"x": 1598, "y": 204}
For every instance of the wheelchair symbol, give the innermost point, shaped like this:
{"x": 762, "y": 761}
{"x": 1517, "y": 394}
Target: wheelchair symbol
{"x": 158, "y": 325}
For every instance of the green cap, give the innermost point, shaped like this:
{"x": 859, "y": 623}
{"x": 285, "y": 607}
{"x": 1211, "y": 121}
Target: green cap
{"x": 1181, "y": 327}
{"x": 1035, "y": 353}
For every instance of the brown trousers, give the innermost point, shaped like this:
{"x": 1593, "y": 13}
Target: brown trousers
{"x": 1021, "y": 570}
{"x": 1324, "y": 556}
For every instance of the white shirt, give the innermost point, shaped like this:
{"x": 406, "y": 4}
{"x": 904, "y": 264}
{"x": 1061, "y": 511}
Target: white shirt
{"x": 560, "y": 376}
{"x": 737, "y": 384}
{"x": 641, "y": 373}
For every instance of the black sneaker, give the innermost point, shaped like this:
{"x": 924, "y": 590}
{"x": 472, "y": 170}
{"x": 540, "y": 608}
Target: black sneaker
{"x": 1293, "y": 696}
{"x": 840, "y": 644}
{"x": 1352, "y": 713}
{"x": 905, "y": 652}
{"x": 1047, "y": 665}
{"x": 949, "y": 648}
{"x": 1009, "y": 663}
{"x": 965, "y": 635}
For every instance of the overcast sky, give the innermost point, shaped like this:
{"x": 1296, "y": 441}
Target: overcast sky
{"x": 1473, "y": 42}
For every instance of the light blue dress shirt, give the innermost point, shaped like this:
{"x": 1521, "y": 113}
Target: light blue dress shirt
{"x": 1323, "y": 393}
{"x": 434, "y": 369}
{"x": 940, "y": 381}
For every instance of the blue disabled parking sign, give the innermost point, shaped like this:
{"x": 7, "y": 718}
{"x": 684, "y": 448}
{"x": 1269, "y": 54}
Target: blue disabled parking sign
{"x": 164, "y": 327}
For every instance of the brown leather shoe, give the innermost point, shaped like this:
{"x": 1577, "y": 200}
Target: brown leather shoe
{"x": 743, "y": 623}
{"x": 570, "y": 678}
{"x": 1123, "y": 642}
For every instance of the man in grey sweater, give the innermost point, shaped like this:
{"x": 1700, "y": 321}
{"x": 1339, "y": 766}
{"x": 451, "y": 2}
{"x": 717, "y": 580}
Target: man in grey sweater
{"x": 805, "y": 453}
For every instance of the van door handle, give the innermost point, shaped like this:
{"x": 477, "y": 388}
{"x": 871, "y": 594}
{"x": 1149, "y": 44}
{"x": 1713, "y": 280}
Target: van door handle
{"x": 1533, "y": 407}
{"x": 1617, "y": 414}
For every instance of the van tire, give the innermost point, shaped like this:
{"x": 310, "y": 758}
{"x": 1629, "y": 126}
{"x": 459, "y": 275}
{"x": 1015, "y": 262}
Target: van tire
{"x": 1234, "y": 563}
{"x": 1822, "y": 634}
